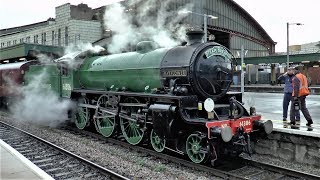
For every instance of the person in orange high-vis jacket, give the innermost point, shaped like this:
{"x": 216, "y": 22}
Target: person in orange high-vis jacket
{"x": 299, "y": 94}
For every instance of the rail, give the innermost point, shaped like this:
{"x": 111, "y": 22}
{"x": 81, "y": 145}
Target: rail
{"x": 54, "y": 160}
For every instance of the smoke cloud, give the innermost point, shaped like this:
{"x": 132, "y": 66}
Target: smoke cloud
{"x": 38, "y": 104}
{"x": 151, "y": 19}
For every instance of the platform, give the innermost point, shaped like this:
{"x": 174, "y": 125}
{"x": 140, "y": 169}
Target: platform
{"x": 279, "y": 127}
{"x": 315, "y": 89}
{"x": 13, "y": 165}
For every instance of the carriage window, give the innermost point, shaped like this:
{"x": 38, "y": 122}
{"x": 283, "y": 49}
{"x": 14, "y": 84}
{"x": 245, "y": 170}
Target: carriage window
{"x": 65, "y": 71}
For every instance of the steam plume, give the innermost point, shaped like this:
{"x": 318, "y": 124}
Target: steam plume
{"x": 38, "y": 104}
{"x": 151, "y": 19}
{"x": 74, "y": 50}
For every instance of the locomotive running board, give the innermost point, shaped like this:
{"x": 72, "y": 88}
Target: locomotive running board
{"x": 125, "y": 93}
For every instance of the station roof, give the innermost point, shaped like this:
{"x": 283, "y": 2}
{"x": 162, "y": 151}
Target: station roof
{"x": 254, "y": 22}
{"x": 297, "y": 58}
{"x": 28, "y": 50}
{"x": 18, "y": 29}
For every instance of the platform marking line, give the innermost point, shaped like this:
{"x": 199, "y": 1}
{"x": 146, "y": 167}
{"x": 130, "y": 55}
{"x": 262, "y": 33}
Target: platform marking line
{"x": 27, "y": 162}
{"x": 281, "y": 122}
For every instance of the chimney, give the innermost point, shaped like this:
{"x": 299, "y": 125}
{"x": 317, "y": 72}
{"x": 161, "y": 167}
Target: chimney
{"x": 195, "y": 36}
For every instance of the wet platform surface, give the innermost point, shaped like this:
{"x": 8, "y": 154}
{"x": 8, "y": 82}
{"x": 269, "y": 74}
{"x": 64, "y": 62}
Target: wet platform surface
{"x": 314, "y": 89}
{"x": 269, "y": 105}
{"x": 279, "y": 126}
{"x": 13, "y": 165}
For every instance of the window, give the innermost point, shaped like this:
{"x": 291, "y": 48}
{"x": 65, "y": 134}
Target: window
{"x": 21, "y": 40}
{"x": 44, "y": 38}
{"x": 35, "y": 39}
{"x": 66, "y": 36}
{"x": 59, "y": 37}
{"x": 52, "y": 38}
{"x": 14, "y": 42}
{"x": 65, "y": 71}
{"x": 8, "y": 43}
{"x": 2, "y": 44}
{"x": 28, "y": 39}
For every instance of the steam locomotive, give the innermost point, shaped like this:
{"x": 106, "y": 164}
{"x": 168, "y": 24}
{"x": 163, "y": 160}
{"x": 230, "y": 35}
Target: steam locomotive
{"x": 174, "y": 99}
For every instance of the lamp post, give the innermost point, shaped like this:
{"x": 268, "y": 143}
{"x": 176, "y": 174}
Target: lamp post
{"x": 205, "y": 21}
{"x": 288, "y": 24}
{"x": 242, "y": 54}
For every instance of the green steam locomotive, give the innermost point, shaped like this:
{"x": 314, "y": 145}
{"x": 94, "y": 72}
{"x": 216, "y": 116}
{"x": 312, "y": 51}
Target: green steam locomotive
{"x": 172, "y": 98}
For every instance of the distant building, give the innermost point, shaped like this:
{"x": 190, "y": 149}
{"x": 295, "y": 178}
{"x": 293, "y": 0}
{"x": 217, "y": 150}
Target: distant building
{"x": 313, "y": 47}
{"x": 294, "y": 48}
{"x": 72, "y": 24}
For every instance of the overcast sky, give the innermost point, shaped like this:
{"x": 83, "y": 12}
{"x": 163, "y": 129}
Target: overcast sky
{"x": 271, "y": 14}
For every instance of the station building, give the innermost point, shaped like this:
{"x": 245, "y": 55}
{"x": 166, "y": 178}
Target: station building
{"x": 72, "y": 24}
{"x": 312, "y": 47}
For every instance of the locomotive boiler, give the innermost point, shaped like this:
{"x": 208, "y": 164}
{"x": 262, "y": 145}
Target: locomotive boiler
{"x": 174, "y": 99}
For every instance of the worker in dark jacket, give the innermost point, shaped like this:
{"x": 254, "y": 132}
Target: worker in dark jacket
{"x": 299, "y": 94}
{"x": 287, "y": 78}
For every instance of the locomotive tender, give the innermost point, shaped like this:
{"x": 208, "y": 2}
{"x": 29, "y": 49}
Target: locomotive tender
{"x": 173, "y": 98}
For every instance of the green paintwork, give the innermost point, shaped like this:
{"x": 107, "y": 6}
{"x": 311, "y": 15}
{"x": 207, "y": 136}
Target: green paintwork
{"x": 297, "y": 58}
{"x": 157, "y": 143}
{"x": 26, "y": 49}
{"x": 82, "y": 115}
{"x": 194, "y": 145}
{"x": 105, "y": 126}
{"x": 68, "y": 82}
{"x": 50, "y": 77}
{"x": 105, "y": 123}
{"x": 133, "y": 71}
{"x": 131, "y": 131}
{"x": 62, "y": 85}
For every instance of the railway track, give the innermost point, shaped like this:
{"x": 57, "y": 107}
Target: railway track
{"x": 245, "y": 169}
{"x": 55, "y": 161}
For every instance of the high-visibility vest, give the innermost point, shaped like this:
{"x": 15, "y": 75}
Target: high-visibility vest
{"x": 304, "y": 90}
